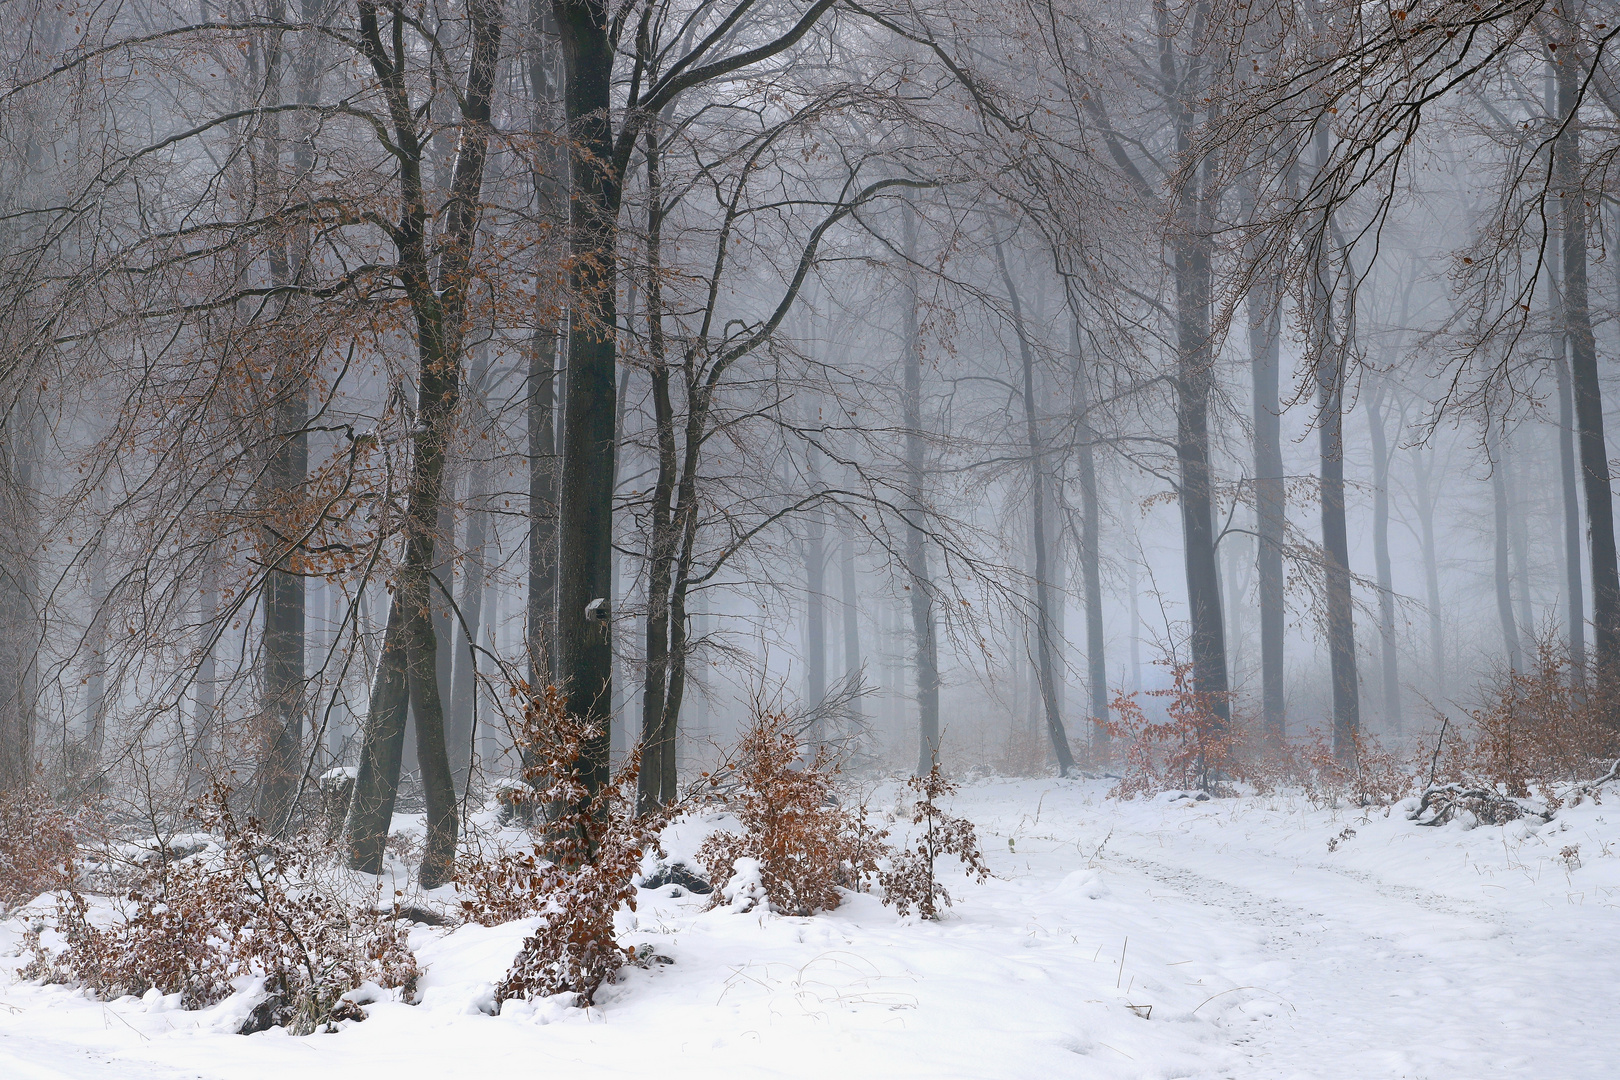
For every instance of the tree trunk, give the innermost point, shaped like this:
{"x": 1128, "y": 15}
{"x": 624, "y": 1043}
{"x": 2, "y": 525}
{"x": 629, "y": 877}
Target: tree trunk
{"x": 1588, "y": 393}
{"x": 1330, "y": 374}
{"x": 815, "y": 595}
{"x": 1270, "y": 502}
{"x": 1038, "y": 540}
{"x": 283, "y": 598}
{"x": 407, "y": 667}
{"x": 585, "y": 525}
{"x": 1386, "y": 583}
{"x": 19, "y": 602}
{"x": 1423, "y": 479}
{"x": 1574, "y": 584}
{"x": 204, "y": 721}
{"x": 853, "y": 662}
{"x": 920, "y": 586}
{"x": 1091, "y": 556}
{"x": 1500, "y": 511}
{"x": 459, "y": 733}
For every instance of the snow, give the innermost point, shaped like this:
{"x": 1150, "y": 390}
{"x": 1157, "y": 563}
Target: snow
{"x": 1155, "y": 938}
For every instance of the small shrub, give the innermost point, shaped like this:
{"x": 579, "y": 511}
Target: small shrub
{"x": 577, "y": 876}
{"x": 37, "y": 846}
{"x": 806, "y": 844}
{"x": 911, "y": 880}
{"x": 1192, "y": 748}
{"x": 1533, "y": 730}
{"x": 252, "y": 905}
{"x": 1368, "y": 776}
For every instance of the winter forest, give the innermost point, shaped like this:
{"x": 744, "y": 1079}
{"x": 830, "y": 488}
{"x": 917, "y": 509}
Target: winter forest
{"x": 773, "y": 536}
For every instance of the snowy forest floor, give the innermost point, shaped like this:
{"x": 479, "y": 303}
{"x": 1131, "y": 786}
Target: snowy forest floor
{"x": 1406, "y": 952}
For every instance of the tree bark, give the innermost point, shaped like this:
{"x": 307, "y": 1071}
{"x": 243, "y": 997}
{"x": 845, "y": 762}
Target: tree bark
{"x": 1500, "y": 577}
{"x": 1574, "y": 582}
{"x": 1038, "y": 539}
{"x": 1270, "y": 501}
{"x": 1587, "y": 391}
{"x": 585, "y": 519}
{"x": 921, "y": 586}
{"x": 853, "y": 662}
{"x": 1091, "y": 555}
{"x": 408, "y": 662}
{"x": 459, "y": 733}
{"x": 1386, "y": 583}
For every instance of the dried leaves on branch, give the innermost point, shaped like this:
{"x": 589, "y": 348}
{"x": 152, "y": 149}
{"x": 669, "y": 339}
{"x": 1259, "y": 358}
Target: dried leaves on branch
{"x": 807, "y": 845}
{"x": 247, "y": 904}
{"x": 577, "y": 875}
{"x": 912, "y": 879}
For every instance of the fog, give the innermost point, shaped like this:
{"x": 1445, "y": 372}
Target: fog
{"x": 936, "y": 378}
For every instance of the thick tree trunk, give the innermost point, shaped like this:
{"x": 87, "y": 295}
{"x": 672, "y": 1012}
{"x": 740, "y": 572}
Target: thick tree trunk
{"x": 95, "y": 647}
{"x": 1386, "y": 583}
{"x": 1044, "y": 644}
{"x": 407, "y": 667}
{"x": 204, "y": 721}
{"x": 459, "y": 733}
{"x": 1270, "y": 502}
{"x": 815, "y": 598}
{"x": 283, "y": 597}
{"x": 585, "y": 526}
{"x": 1330, "y": 373}
{"x": 1588, "y": 393}
{"x": 19, "y": 602}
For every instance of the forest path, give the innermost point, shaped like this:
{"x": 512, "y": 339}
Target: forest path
{"x": 1140, "y": 940}
{"x": 1405, "y": 952}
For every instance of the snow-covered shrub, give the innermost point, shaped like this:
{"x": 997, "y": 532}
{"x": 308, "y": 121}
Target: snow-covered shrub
{"x": 1533, "y": 730}
{"x": 37, "y": 846}
{"x": 579, "y": 873}
{"x": 910, "y": 880}
{"x": 807, "y": 846}
{"x": 1369, "y": 775}
{"x": 1192, "y": 748}
{"x": 251, "y": 904}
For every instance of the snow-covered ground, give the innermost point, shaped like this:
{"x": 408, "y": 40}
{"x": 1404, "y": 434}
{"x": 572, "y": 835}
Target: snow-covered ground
{"x": 1404, "y": 952}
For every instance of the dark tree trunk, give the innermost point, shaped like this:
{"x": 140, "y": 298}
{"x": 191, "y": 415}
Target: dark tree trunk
{"x": 1044, "y": 644}
{"x": 459, "y": 726}
{"x": 585, "y": 525}
{"x": 1270, "y": 501}
{"x": 95, "y": 647}
{"x": 1386, "y": 583}
{"x": 283, "y": 597}
{"x": 550, "y": 193}
{"x": 1335, "y": 538}
{"x": 19, "y": 602}
{"x": 436, "y": 289}
{"x": 1588, "y": 394}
